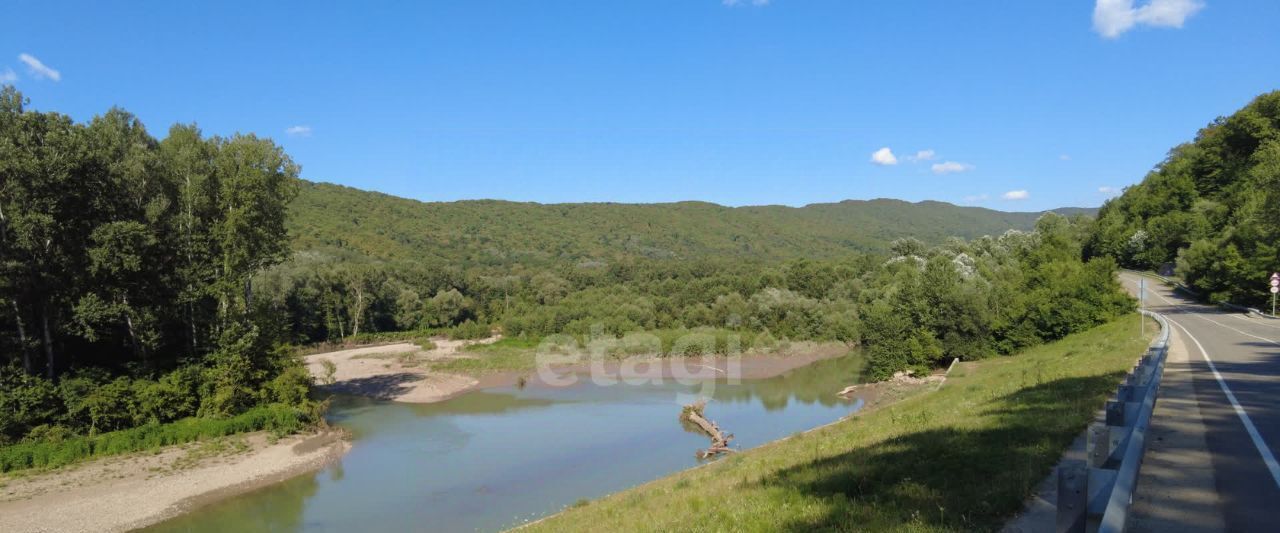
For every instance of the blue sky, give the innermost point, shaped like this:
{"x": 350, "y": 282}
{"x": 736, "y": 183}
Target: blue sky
{"x": 746, "y": 102}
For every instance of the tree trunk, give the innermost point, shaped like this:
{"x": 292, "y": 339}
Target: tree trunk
{"x": 22, "y": 337}
{"x": 191, "y": 316}
{"x": 719, "y": 440}
{"x": 359, "y": 311}
{"x": 337, "y": 317}
{"x": 48, "y": 341}
{"x": 138, "y": 348}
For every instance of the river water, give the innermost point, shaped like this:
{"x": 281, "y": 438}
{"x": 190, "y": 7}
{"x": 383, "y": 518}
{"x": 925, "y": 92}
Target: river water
{"x": 497, "y": 458}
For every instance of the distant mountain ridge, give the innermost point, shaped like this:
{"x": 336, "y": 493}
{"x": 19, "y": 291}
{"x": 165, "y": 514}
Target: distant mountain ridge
{"x": 333, "y": 217}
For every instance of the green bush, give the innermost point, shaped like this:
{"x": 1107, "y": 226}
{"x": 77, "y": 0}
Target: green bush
{"x": 52, "y": 447}
{"x": 469, "y": 330}
{"x": 26, "y": 402}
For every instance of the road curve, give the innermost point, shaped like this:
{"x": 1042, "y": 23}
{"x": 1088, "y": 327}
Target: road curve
{"x": 1234, "y": 361}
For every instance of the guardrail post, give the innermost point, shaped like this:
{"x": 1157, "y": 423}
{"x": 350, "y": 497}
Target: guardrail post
{"x": 1073, "y": 497}
{"x": 1099, "y": 445}
{"x": 1115, "y": 413}
{"x": 1125, "y": 393}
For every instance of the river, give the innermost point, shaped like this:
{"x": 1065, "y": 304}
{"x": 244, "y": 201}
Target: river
{"x": 497, "y": 458}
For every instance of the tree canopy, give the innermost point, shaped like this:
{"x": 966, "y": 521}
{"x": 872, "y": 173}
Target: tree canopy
{"x": 126, "y": 268}
{"x": 1212, "y": 208}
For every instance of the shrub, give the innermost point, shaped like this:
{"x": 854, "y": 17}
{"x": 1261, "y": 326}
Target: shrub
{"x": 469, "y": 330}
{"x": 51, "y": 447}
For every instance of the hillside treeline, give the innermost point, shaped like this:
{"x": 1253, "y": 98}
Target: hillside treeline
{"x": 911, "y": 307}
{"x": 1212, "y": 208}
{"x": 502, "y": 233}
{"x": 125, "y": 273}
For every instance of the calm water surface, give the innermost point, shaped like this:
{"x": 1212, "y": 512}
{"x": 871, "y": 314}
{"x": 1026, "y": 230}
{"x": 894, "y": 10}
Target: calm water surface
{"x": 494, "y": 459}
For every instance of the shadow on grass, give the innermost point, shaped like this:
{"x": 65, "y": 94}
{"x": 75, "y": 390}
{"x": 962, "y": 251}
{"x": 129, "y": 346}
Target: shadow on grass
{"x": 946, "y": 476}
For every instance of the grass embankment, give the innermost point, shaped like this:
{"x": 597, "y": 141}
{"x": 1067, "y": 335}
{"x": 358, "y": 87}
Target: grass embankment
{"x": 277, "y": 418}
{"x": 963, "y": 458}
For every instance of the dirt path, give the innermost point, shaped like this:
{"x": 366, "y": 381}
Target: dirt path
{"x": 129, "y": 492}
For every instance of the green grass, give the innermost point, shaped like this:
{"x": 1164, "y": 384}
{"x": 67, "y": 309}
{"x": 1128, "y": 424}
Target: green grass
{"x": 277, "y": 418}
{"x": 963, "y": 458}
{"x": 507, "y": 354}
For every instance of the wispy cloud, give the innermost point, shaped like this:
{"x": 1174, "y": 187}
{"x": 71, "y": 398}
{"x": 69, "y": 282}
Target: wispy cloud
{"x": 1109, "y": 191}
{"x": 922, "y": 155}
{"x": 1114, "y": 17}
{"x": 884, "y": 157}
{"x": 757, "y": 3}
{"x": 1019, "y": 194}
{"x": 950, "y": 167}
{"x": 8, "y": 76}
{"x": 39, "y": 69}
{"x": 1064, "y": 157}
{"x": 298, "y": 131}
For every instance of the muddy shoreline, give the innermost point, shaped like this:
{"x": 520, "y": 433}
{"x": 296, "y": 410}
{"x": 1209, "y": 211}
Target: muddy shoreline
{"x": 142, "y": 489}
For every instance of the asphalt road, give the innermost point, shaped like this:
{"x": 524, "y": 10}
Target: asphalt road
{"x": 1235, "y": 362}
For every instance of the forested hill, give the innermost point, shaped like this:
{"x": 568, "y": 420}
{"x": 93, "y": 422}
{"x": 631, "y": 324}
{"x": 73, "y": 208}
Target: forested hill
{"x": 1212, "y": 207}
{"x": 327, "y": 216}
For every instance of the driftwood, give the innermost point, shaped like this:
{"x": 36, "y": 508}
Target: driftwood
{"x": 693, "y": 413}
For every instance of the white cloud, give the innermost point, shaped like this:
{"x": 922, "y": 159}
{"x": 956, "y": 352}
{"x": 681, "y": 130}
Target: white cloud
{"x": 298, "y": 131}
{"x": 8, "y": 76}
{"x": 976, "y": 198}
{"x": 949, "y": 167}
{"x": 922, "y": 155}
{"x": 1016, "y": 195}
{"x": 884, "y": 156}
{"x": 1114, "y": 17}
{"x": 39, "y": 69}
{"x": 1064, "y": 157}
{"x": 1108, "y": 190}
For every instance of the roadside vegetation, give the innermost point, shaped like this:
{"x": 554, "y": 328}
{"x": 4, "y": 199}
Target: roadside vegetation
{"x": 963, "y": 458}
{"x": 1211, "y": 208}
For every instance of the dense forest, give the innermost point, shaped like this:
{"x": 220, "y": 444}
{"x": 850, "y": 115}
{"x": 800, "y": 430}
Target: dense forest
{"x": 125, "y": 273}
{"x": 1212, "y": 208}
{"x": 148, "y": 282}
{"x": 912, "y": 306}
{"x": 492, "y": 232}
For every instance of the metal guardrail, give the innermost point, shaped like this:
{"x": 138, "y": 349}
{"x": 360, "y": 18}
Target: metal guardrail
{"x": 1097, "y": 492}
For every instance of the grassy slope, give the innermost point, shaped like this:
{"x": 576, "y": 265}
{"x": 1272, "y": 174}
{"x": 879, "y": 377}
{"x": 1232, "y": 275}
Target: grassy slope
{"x": 328, "y": 216}
{"x": 962, "y": 458}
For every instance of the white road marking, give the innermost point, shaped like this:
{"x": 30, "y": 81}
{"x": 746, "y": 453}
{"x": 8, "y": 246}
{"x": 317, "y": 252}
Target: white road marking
{"x": 1256, "y": 321}
{"x": 1202, "y": 317}
{"x": 1267, "y": 456}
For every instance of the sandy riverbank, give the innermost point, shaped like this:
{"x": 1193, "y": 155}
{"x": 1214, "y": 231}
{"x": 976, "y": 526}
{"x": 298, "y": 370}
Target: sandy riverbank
{"x": 133, "y": 491}
{"x": 397, "y": 372}
{"x": 401, "y": 372}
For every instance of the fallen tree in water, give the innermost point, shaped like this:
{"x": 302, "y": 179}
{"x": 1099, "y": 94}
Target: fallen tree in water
{"x": 693, "y": 414}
